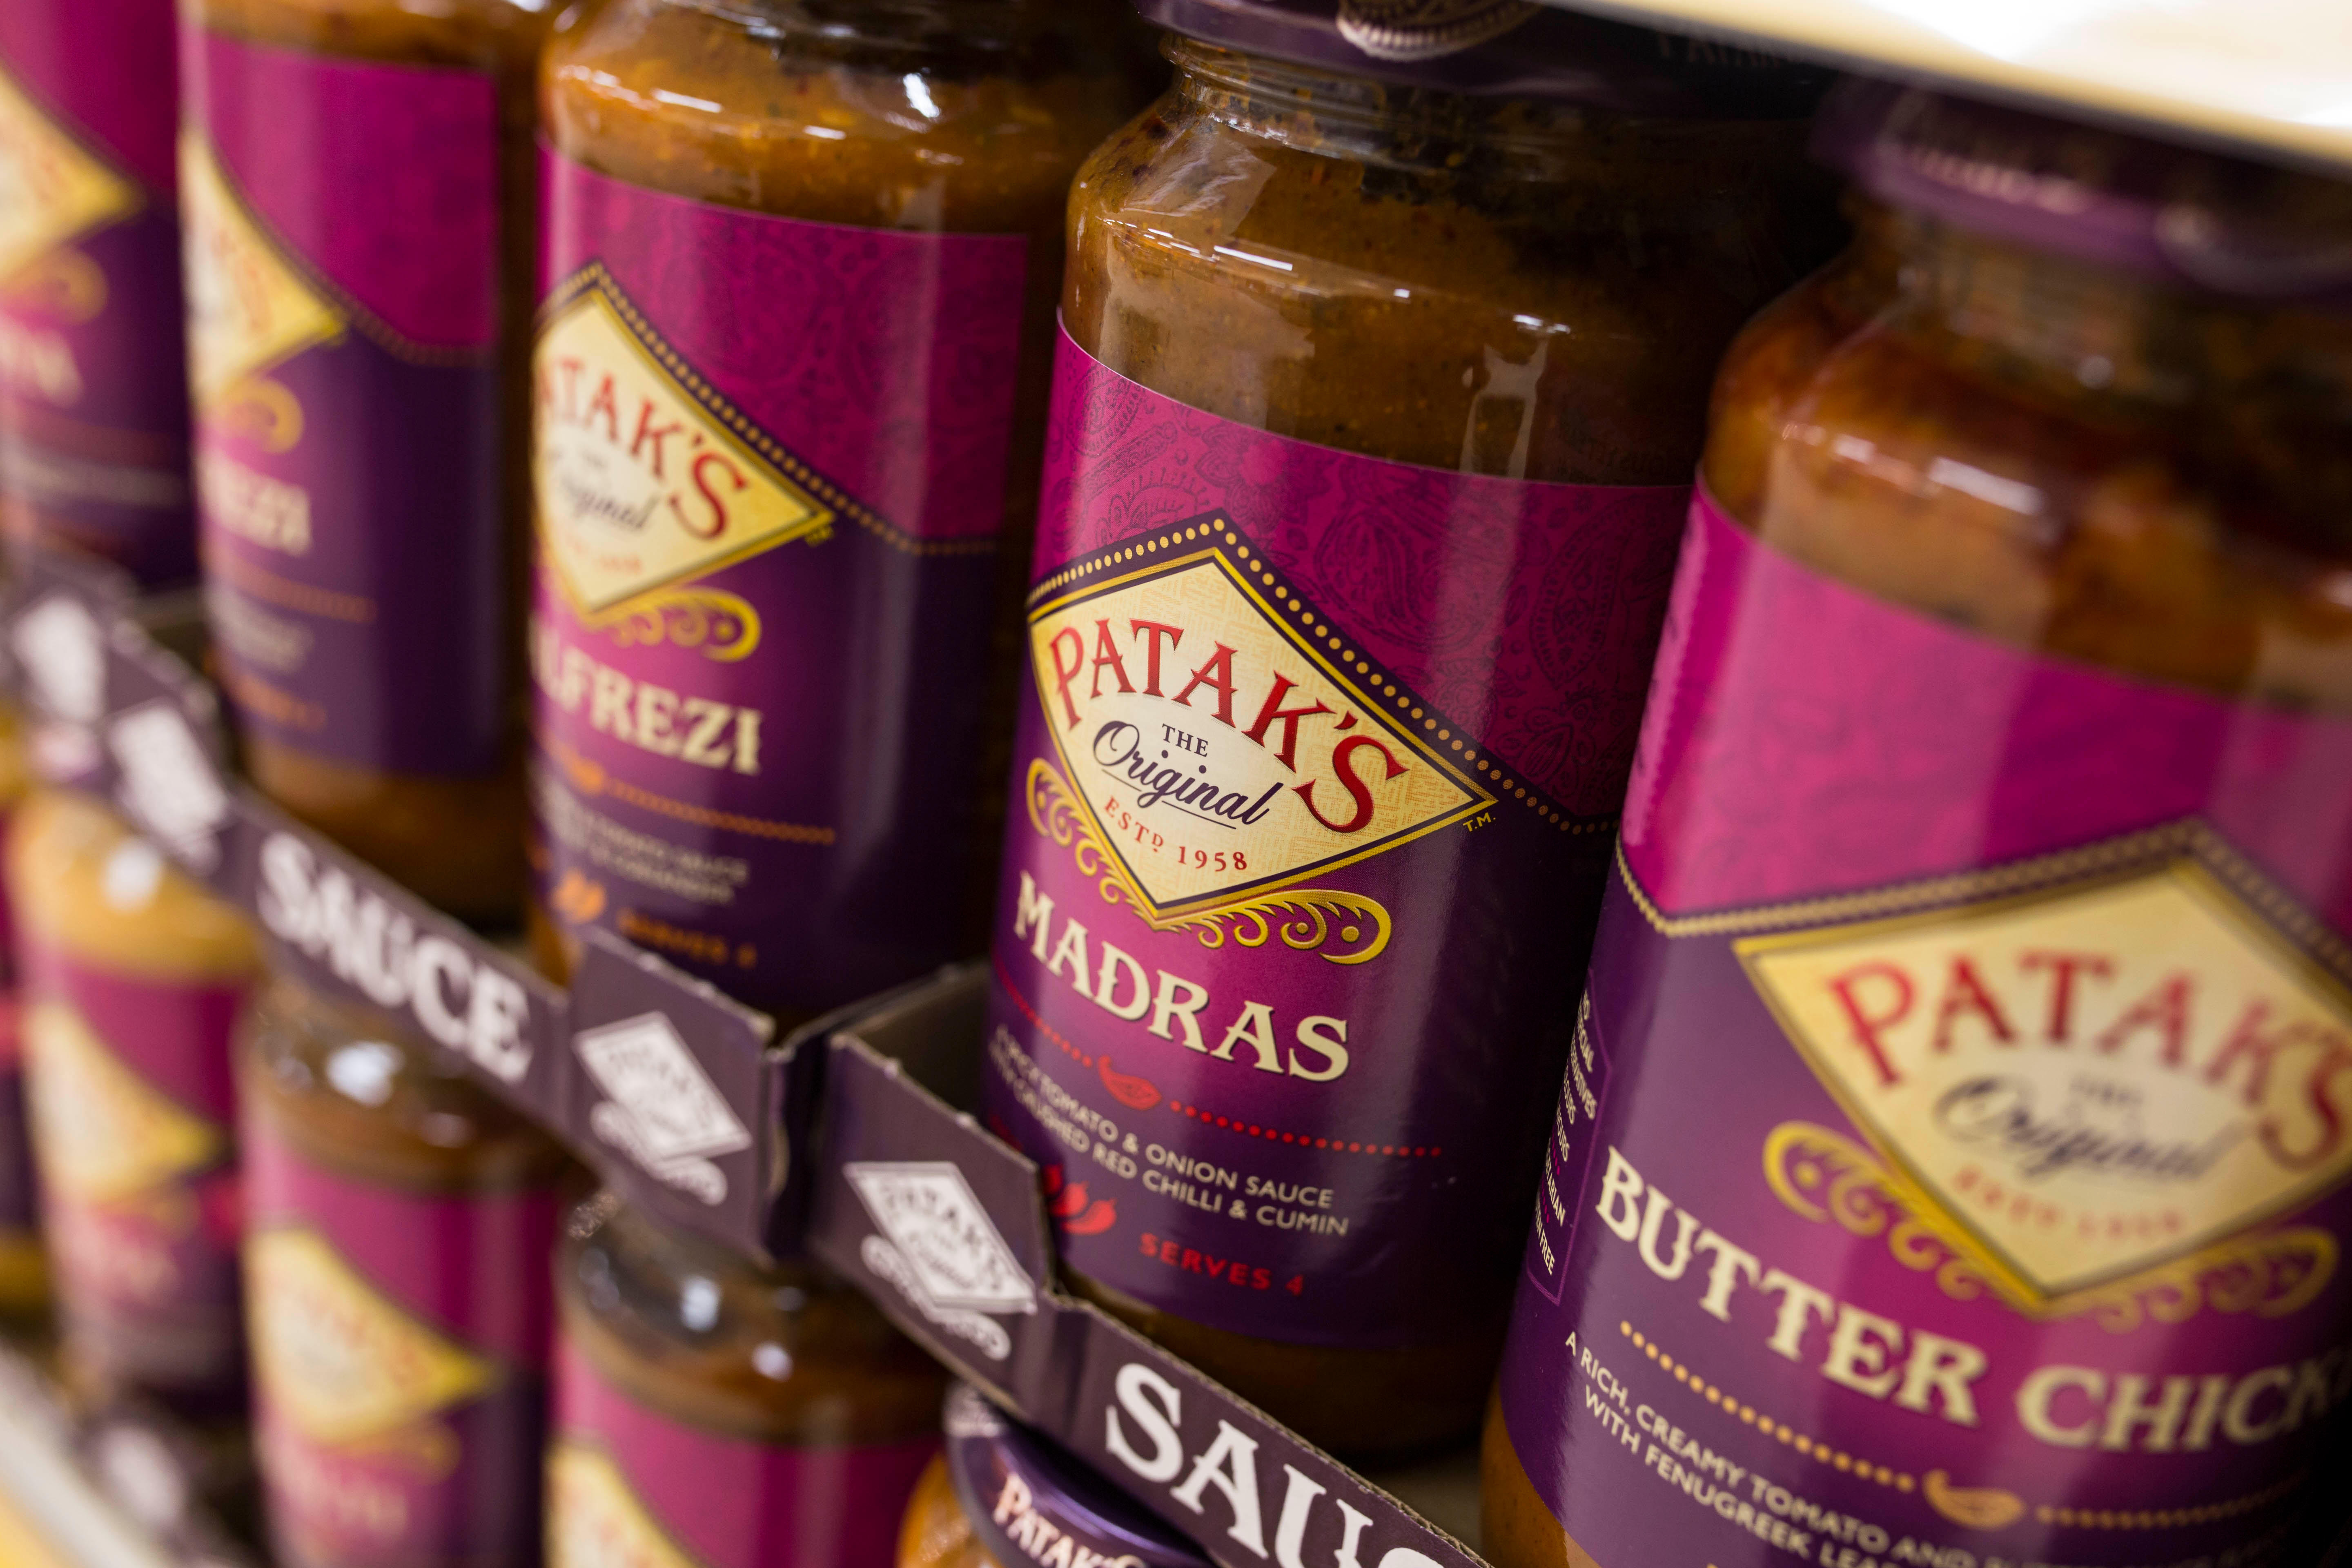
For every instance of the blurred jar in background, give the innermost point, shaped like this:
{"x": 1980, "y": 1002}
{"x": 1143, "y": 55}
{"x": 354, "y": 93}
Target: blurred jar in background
{"x": 398, "y": 1254}
{"x": 23, "y": 1272}
{"x": 132, "y": 979}
{"x": 798, "y": 285}
{"x": 358, "y": 188}
{"x": 746, "y": 1415}
{"x": 93, "y": 406}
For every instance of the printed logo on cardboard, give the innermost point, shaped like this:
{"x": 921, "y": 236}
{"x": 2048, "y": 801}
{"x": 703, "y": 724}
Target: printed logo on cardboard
{"x": 1220, "y": 744}
{"x": 936, "y": 1244}
{"x": 646, "y": 478}
{"x": 661, "y": 1110}
{"x": 2075, "y": 1087}
{"x": 339, "y": 1361}
{"x": 106, "y": 1133}
{"x": 249, "y": 307}
{"x": 596, "y": 1519}
{"x": 52, "y": 191}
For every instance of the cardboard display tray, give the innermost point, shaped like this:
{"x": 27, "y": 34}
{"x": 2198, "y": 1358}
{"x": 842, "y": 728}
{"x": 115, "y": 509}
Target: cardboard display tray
{"x": 2269, "y": 77}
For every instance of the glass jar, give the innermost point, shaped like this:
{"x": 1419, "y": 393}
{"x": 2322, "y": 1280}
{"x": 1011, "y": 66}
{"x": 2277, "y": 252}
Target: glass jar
{"x": 359, "y": 192}
{"x": 398, "y": 1260}
{"x": 1380, "y": 386}
{"x": 24, "y": 1271}
{"x": 969, "y": 1509}
{"x": 132, "y": 977}
{"x": 1975, "y": 980}
{"x": 785, "y": 486}
{"x": 93, "y": 414}
{"x": 751, "y": 1414}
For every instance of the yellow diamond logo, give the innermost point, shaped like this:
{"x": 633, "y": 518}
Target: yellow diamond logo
{"x": 595, "y": 1519}
{"x": 105, "y": 1133}
{"x": 644, "y": 476}
{"x": 248, "y": 307}
{"x": 52, "y": 191}
{"x": 1222, "y": 744}
{"x": 2080, "y": 1085}
{"x": 342, "y": 1362}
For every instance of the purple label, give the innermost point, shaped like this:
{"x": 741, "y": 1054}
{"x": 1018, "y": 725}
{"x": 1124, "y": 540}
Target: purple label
{"x": 1955, "y": 1170}
{"x": 131, "y": 1107}
{"x": 19, "y": 1189}
{"x": 1312, "y": 793}
{"x": 399, "y": 1346}
{"x": 1028, "y": 1499}
{"x": 343, "y": 233}
{"x": 628, "y": 1486}
{"x": 769, "y": 471}
{"x": 93, "y": 411}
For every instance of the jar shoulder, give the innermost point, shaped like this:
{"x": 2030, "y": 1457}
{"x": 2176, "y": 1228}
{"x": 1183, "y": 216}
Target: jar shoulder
{"x": 500, "y": 36}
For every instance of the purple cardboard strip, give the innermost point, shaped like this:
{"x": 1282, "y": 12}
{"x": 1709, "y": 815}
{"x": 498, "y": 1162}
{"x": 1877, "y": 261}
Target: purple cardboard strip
{"x": 943, "y": 1225}
{"x": 669, "y": 1091}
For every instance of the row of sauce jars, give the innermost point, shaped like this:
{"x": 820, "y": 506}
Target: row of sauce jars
{"x": 1380, "y": 364}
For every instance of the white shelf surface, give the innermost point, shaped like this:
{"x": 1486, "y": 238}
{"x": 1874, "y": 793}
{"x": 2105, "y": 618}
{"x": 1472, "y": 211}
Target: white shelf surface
{"x": 50, "y": 1516}
{"x": 2272, "y": 76}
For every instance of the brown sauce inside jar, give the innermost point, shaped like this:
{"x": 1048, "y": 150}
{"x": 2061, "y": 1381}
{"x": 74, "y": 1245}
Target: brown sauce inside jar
{"x": 457, "y": 841}
{"x": 1491, "y": 286}
{"x": 783, "y": 1355}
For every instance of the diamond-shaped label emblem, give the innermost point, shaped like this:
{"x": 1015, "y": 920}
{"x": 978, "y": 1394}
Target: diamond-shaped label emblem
{"x": 52, "y": 190}
{"x": 1220, "y": 739}
{"x": 106, "y": 1133}
{"x": 595, "y": 1518}
{"x": 250, "y": 308}
{"x": 338, "y": 1360}
{"x": 644, "y": 478}
{"x": 928, "y": 1211}
{"x": 646, "y": 1068}
{"x": 2084, "y": 1084}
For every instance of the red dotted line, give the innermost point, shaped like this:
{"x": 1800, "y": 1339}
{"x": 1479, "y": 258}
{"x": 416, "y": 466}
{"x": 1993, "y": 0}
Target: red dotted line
{"x": 1336, "y": 1144}
{"x": 1031, "y": 1014}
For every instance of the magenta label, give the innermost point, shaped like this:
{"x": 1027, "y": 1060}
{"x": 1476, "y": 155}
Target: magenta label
{"x": 400, "y": 1347}
{"x": 1951, "y": 1165}
{"x": 93, "y": 408}
{"x": 132, "y": 1107}
{"x": 769, "y": 471}
{"x": 19, "y": 1189}
{"x": 1311, "y": 801}
{"x": 342, "y": 247}
{"x": 625, "y": 1485}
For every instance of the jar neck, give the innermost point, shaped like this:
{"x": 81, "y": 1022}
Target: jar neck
{"x": 2050, "y": 323}
{"x": 1314, "y": 109}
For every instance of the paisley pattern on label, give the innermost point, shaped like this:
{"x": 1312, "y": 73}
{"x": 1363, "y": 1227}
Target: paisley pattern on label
{"x": 130, "y": 1104}
{"x": 630, "y": 1488}
{"x": 1313, "y": 785}
{"x": 344, "y": 271}
{"x": 769, "y": 467}
{"x": 93, "y": 420}
{"x": 2020, "y": 1237}
{"x": 399, "y": 1346}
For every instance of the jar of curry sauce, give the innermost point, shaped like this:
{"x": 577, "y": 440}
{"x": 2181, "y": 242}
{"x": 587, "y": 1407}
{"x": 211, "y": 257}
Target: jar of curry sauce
{"x": 732, "y": 1414}
{"x": 1951, "y": 1166}
{"x": 132, "y": 979}
{"x": 801, "y": 268}
{"x": 94, "y": 402}
{"x": 399, "y": 1233}
{"x": 24, "y": 1269}
{"x": 1384, "y": 365}
{"x": 1001, "y": 1496}
{"x": 359, "y": 182}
